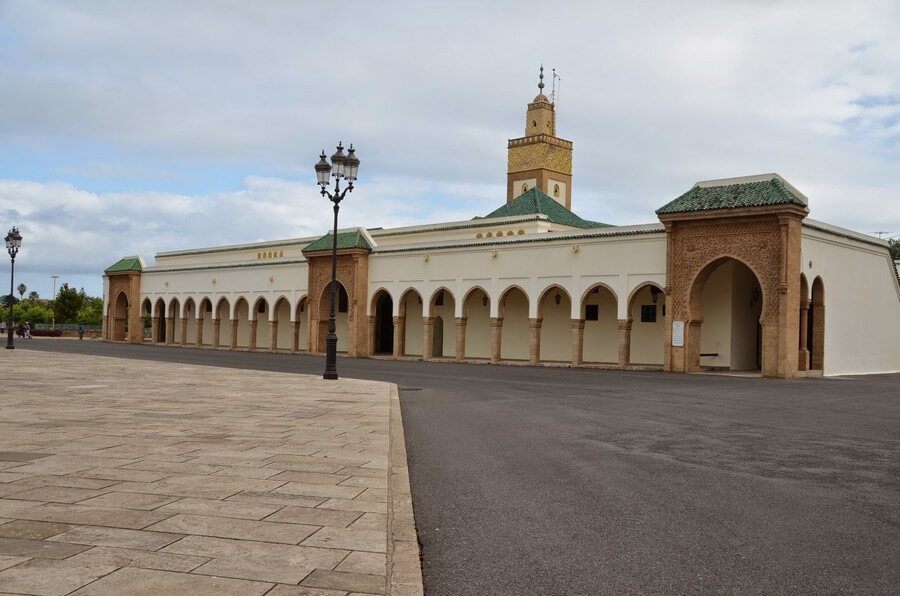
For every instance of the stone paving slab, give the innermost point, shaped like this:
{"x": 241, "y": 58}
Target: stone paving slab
{"x": 128, "y": 477}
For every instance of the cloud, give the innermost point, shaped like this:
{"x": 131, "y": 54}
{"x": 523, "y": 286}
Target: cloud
{"x": 150, "y": 126}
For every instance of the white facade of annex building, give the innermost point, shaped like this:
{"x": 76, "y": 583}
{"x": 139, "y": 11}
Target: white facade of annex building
{"x": 735, "y": 276}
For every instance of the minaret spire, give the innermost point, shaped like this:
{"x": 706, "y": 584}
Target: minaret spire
{"x": 541, "y": 80}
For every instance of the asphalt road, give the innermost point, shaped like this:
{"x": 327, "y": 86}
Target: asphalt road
{"x": 572, "y": 481}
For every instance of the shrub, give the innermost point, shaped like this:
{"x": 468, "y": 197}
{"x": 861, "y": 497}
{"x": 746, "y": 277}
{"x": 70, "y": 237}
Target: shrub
{"x": 46, "y": 332}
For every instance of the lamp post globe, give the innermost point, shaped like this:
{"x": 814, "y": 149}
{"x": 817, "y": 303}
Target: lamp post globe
{"x": 342, "y": 166}
{"x": 13, "y": 242}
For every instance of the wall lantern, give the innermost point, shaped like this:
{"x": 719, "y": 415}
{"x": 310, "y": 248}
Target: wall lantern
{"x": 654, "y": 294}
{"x": 484, "y": 300}
{"x": 558, "y": 298}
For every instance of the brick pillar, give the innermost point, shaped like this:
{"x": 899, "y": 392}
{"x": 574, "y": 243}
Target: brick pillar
{"x": 577, "y": 342}
{"x": 399, "y": 336}
{"x": 273, "y": 345}
{"x": 460, "y": 338}
{"x": 624, "y": 342}
{"x": 295, "y": 337}
{"x": 170, "y": 330}
{"x": 234, "y": 326}
{"x": 427, "y": 337}
{"x": 692, "y": 345}
{"x": 371, "y": 334}
{"x": 818, "y": 354}
{"x": 803, "y": 353}
{"x": 217, "y": 325}
{"x": 199, "y": 341}
{"x": 184, "y": 323}
{"x": 251, "y": 341}
{"x": 496, "y": 331}
{"x": 534, "y": 348}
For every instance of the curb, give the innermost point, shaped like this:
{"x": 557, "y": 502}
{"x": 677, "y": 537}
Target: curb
{"x": 404, "y": 569}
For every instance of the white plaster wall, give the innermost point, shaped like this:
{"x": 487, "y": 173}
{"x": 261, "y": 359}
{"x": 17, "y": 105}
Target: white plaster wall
{"x": 647, "y": 339}
{"x": 715, "y": 331}
{"x": 556, "y": 328}
{"x": 242, "y": 315}
{"x": 190, "y": 313}
{"x": 517, "y": 185}
{"x": 285, "y": 329}
{"x": 263, "y": 329}
{"x": 862, "y": 302}
{"x": 561, "y": 199}
{"x": 601, "y": 337}
{"x": 515, "y": 333}
{"x": 745, "y": 313}
{"x": 414, "y": 333}
{"x": 478, "y": 327}
{"x": 303, "y": 317}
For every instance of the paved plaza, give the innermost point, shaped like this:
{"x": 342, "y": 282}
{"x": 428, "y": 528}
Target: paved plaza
{"x": 124, "y": 476}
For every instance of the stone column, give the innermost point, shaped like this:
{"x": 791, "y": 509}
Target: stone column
{"x": 199, "y": 341}
{"x": 170, "y": 330}
{"x": 460, "y": 338}
{"x": 234, "y": 326}
{"x": 803, "y": 353}
{"x": 427, "y": 337}
{"x": 496, "y": 333}
{"x": 399, "y": 336}
{"x": 534, "y": 348}
{"x": 273, "y": 345}
{"x": 251, "y": 341}
{"x": 295, "y": 337}
{"x": 624, "y": 342}
{"x": 217, "y": 326}
{"x": 154, "y": 329}
{"x": 184, "y": 323}
{"x": 818, "y": 338}
{"x": 577, "y": 342}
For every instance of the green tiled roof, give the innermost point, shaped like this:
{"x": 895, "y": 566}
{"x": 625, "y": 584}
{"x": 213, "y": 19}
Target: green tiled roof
{"x": 126, "y": 264}
{"x": 533, "y": 201}
{"x": 733, "y": 196}
{"x": 352, "y": 239}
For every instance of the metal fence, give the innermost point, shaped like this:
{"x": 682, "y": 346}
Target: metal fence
{"x": 73, "y": 327}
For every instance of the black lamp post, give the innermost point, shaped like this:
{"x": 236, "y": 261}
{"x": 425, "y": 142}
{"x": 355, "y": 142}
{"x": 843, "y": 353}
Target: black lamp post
{"x": 341, "y": 166}
{"x": 13, "y": 242}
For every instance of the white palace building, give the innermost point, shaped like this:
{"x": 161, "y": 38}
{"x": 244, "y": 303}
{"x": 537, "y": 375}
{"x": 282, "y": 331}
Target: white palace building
{"x": 734, "y": 276}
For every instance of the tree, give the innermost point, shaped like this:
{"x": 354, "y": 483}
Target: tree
{"x": 31, "y": 312}
{"x": 22, "y": 289}
{"x": 33, "y": 296}
{"x": 67, "y": 304}
{"x": 6, "y": 299}
{"x": 91, "y": 313}
{"x": 894, "y": 244}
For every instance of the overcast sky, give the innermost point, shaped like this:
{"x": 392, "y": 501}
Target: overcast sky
{"x": 140, "y": 127}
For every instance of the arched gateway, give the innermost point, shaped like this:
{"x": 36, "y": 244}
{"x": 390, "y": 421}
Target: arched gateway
{"x": 751, "y": 227}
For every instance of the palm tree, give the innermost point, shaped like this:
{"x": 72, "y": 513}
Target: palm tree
{"x": 22, "y": 289}
{"x": 33, "y": 296}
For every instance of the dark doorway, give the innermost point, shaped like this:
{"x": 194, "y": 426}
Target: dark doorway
{"x": 437, "y": 339}
{"x": 384, "y": 325}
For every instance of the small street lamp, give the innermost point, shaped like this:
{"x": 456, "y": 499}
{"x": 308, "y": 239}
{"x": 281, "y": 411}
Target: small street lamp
{"x": 53, "y": 312}
{"x": 13, "y": 242}
{"x": 341, "y": 166}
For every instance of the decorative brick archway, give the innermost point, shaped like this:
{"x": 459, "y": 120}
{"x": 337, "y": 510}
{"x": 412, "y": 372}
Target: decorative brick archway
{"x": 767, "y": 240}
{"x": 353, "y": 274}
{"x": 123, "y": 285}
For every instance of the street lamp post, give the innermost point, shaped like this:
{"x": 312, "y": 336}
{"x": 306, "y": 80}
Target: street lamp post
{"x": 341, "y": 166}
{"x": 13, "y": 242}
{"x": 53, "y": 312}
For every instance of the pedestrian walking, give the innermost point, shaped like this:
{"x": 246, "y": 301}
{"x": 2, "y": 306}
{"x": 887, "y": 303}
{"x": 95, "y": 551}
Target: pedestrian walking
{"x": 28, "y": 330}
{"x": 81, "y": 332}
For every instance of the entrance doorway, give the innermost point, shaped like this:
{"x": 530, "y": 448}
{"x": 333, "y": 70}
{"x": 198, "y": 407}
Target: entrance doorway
{"x": 384, "y": 324}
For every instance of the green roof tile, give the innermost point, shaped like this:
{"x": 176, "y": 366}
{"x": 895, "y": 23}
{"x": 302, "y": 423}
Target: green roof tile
{"x": 351, "y": 239}
{"x": 126, "y": 264}
{"x": 733, "y": 196}
{"x": 533, "y": 201}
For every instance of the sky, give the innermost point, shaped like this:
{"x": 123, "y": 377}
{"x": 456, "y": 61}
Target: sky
{"x": 141, "y": 127}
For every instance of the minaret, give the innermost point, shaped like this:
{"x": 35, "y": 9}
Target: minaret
{"x": 540, "y": 158}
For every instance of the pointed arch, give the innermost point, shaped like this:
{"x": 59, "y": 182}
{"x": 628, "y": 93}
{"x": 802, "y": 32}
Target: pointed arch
{"x": 189, "y": 314}
{"x": 382, "y": 330}
{"x": 476, "y": 312}
{"x": 260, "y": 328}
{"x": 817, "y": 325}
{"x": 411, "y": 334}
{"x": 120, "y": 317}
{"x": 554, "y": 323}
{"x": 282, "y": 325}
{"x": 205, "y": 318}
{"x": 159, "y": 321}
{"x": 515, "y": 332}
{"x": 600, "y": 312}
{"x": 646, "y": 324}
{"x": 442, "y": 305}
{"x": 301, "y": 331}
{"x": 240, "y": 321}
{"x": 341, "y": 309}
